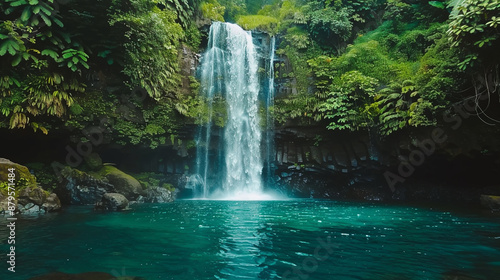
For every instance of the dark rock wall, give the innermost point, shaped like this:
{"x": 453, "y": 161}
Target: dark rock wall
{"x": 313, "y": 162}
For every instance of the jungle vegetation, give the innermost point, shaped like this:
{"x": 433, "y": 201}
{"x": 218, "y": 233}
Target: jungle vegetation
{"x": 383, "y": 65}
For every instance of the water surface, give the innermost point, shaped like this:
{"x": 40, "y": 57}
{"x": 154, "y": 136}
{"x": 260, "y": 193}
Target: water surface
{"x": 295, "y": 239}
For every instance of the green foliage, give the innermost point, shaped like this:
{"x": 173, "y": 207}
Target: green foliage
{"x": 184, "y": 9}
{"x": 157, "y": 122}
{"x": 301, "y": 107}
{"x": 301, "y": 70}
{"x": 38, "y": 94}
{"x": 151, "y": 47}
{"x": 233, "y": 9}
{"x": 151, "y": 180}
{"x": 350, "y": 92}
{"x": 168, "y": 187}
{"x": 44, "y": 175}
{"x": 34, "y": 44}
{"x": 369, "y": 58}
{"x": 265, "y": 23}
{"x": 438, "y": 74}
{"x": 475, "y": 28}
{"x": 202, "y": 110}
{"x": 72, "y": 58}
{"x": 391, "y": 78}
{"x": 329, "y": 25}
{"x": 193, "y": 36}
{"x": 34, "y": 12}
{"x": 297, "y": 37}
{"x": 400, "y": 106}
{"x": 213, "y": 10}
{"x": 438, "y": 4}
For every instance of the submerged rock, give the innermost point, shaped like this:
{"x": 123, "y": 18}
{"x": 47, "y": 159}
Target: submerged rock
{"x": 113, "y": 202}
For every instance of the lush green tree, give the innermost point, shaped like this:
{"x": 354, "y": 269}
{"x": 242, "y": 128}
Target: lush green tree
{"x": 330, "y": 25}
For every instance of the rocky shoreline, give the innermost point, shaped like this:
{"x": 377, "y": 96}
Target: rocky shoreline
{"x": 107, "y": 189}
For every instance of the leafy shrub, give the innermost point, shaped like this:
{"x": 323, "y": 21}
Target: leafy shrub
{"x": 265, "y": 23}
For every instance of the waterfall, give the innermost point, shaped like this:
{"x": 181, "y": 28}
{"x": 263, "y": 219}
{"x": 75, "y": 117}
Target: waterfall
{"x": 229, "y": 71}
{"x": 269, "y": 118}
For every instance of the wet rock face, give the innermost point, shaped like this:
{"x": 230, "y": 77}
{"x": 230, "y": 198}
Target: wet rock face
{"x": 308, "y": 162}
{"x": 310, "y": 165}
{"x": 311, "y": 148}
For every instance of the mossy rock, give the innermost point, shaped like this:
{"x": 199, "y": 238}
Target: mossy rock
{"x": 23, "y": 177}
{"x": 93, "y": 161}
{"x": 73, "y": 173}
{"x": 123, "y": 182}
{"x": 169, "y": 187}
{"x": 21, "y": 171}
{"x": 33, "y": 194}
{"x": 27, "y": 191}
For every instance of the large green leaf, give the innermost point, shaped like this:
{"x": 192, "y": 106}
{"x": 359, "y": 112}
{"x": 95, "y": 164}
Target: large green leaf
{"x": 18, "y": 3}
{"x": 50, "y": 53}
{"x": 10, "y": 46}
{"x": 437, "y": 4}
{"x": 46, "y": 20}
{"x": 25, "y": 16}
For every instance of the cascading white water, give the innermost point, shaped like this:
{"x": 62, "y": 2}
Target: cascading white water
{"x": 242, "y": 135}
{"x": 229, "y": 69}
{"x": 269, "y": 118}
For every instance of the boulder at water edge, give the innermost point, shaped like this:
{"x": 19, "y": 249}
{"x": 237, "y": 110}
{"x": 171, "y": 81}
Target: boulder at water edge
{"x": 30, "y": 197}
{"x": 80, "y": 188}
{"x": 113, "y": 202}
{"x": 157, "y": 195}
{"x": 122, "y": 182}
